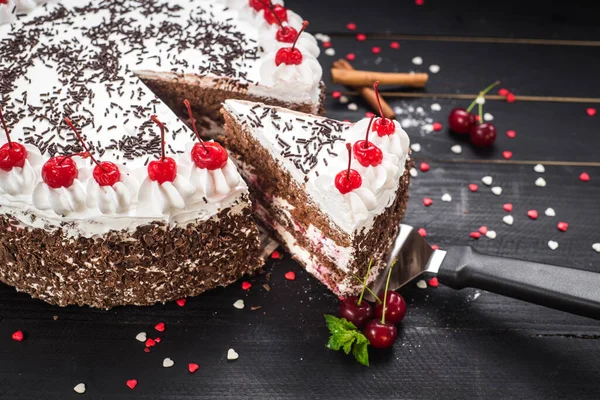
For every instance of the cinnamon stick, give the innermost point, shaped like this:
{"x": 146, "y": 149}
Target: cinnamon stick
{"x": 366, "y": 78}
{"x": 367, "y": 92}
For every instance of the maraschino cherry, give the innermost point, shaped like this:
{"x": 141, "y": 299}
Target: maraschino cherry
{"x": 382, "y": 334}
{"x": 165, "y": 169}
{"x": 106, "y": 173}
{"x": 258, "y": 5}
{"x": 209, "y": 155}
{"x": 276, "y": 13}
{"x": 60, "y": 171}
{"x": 290, "y": 55}
{"x": 348, "y": 179}
{"x": 366, "y": 152}
{"x": 12, "y": 154}
{"x": 461, "y": 120}
{"x": 355, "y": 309}
{"x": 382, "y": 125}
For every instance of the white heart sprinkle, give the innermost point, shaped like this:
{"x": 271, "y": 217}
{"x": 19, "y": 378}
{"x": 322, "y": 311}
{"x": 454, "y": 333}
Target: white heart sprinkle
{"x": 446, "y": 197}
{"x": 344, "y": 99}
{"x": 596, "y": 247}
{"x": 168, "y": 363}
{"x": 541, "y": 182}
{"x": 319, "y": 36}
{"x": 457, "y": 149}
{"x": 416, "y": 147}
{"x": 488, "y": 117}
{"x": 417, "y": 61}
{"x": 553, "y": 245}
{"x": 427, "y": 128}
{"x": 413, "y": 172}
{"x": 325, "y": 38}
{"x": 232, "y": 354}
{"x": 539, "y": 168}
{"x": 480, "y": 100}
{"x": 491, "y": 234}
{"x": 497, "y": 190}
{"x": 330, "y": 51}
{"x": 508, "y": 219}
{"x": 79, "y": 388}
{"x": 434, "y": 68}
{"x": 487, "y": 180}
{"x": 550, "y": 212}
{"x": 239, "y": 304}
{"x": 436, "y": 107}
{"x": 141, "y": 337}
{"x": 352, "y": 107}
{"x": 422, "y": 284}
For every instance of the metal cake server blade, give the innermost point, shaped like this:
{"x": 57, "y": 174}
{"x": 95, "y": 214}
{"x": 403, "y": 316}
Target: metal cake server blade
{"x": 563, "y": 288}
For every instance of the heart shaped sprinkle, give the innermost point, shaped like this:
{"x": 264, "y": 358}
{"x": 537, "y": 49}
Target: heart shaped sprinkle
{"x": 591, "y": 111}
{"x": 511, "y": 134}
{"x": 290, "y": 275}
{"x": 141, "y": 337}
{"x": 475, "y": 235}
{"x": 446, "y": 197}
{"x": 239, "y": 304}
{"x": 421, "y": 284}
{"x": 168, "y": 363}
{"x": 507, "y": 154}
{"x": 416, "y": 147}
{"x": 413, "y": 172}
{"x": 79, "y": 388}
{"x": 160, "y": 327}
{"x": 562, "y": 226}
{"x": 533, "y": 214}
{"x": 427, "y": 201}
{"x": 422, "y": 232}
{"x": 497, "y": 190}
{"x": 539, "y": 168}
{"x": 232, "y": 355}
{"x": 596, "y": 247}
{"x": 473, "y": 187}
{"x": 192, "y": 367}
{"x": 433, "y": 282}
{"x": 491, "y": 234}
{"x": 246, "y": 285}
{"x": 483, "y": 229}
{"x": 540, "y": 182}
{"x": 550, "y": 212}
{"x": 150, "y": 342}
{"x": 456, "y": 149}
{"x": 180, "y": 302}
{"x": 437, "y": 126}
{"x": 508, "y": 207}
{"x": 132, "y": 383}
{"x": 424, "y": 167}
{"x": 508, "y": 219}
{"x": 553, "y": 245}
{"x": 18, "y": 336}
{"x": 584, "y": 177}
{"x": 487, "y": 180}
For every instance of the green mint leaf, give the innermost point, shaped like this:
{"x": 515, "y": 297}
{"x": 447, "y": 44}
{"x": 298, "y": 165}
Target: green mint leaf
{"x": 360, "y": 350}
{"x": 345, "y": 336}
{"x": 342, "y": 340}
{"x": 337, "y": 325}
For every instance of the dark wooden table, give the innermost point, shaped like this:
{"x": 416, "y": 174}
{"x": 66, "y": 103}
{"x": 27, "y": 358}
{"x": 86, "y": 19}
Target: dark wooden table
{"x": 459, "y": 345}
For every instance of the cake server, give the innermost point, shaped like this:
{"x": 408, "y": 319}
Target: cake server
{"x": 563, "y": 288}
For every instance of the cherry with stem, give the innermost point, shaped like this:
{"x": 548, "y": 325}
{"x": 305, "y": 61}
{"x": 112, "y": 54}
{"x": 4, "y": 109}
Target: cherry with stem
{"x": 354, "y": 309}
{"x": 382, "y": 334}
{"x": 367, "y": 153}
{"x": 12, "y": 154}
{"x": 382, "y": 125}
{"x": 291, "y": 55}
{"x": 484, "y": 133}
{"x": 165, "y": 169}
{"x": 210, "y": 155}
{"x": 348, "y": 179}
{"x": 461, "y": 120}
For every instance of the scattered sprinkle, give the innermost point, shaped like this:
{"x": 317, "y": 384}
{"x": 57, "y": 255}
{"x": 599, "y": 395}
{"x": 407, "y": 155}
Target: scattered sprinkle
{"x": 553, "y": 245}
{"x": 541, "y": 182}
{"x": 507, "y": 154}
{"x": 239, "y": 304}
{"x": 508, "y": 207}
{"x": 395, "y": 45}
{"x": 539, "y": 168}
{"x": 160, "y": 327}
{"x": 436, "y": 126}
{"x": 419, "y": 2}
{"x": 434, "y": 68}
{"x": 290, "y": 275}
{"x": 421, "y": 284}
{"x": 330, "y": 51}
{"x": 232, "y": 355}
{"x": 350, "y": 56}
{"x": 132, "y": 383}
{"x": 416, "y": 147}
{"x": 18, "y": 336}
{"x": 413, "y": 172}
{"x": 141, "y": 337}
{"x": 361, "y": 37}
{"x": 562, "y": 226}
{"x": 511, "y": 134}
{"x": 193, "y": 367}
{"x": 550, "y": 212}
{"x": 446, "y": 197}
{"x": 427, "y": 201}
{"x": 591, "y": 111}
{"x": 475, "y": 235}
{"x": 351, "y": 26}
{"x": 79, "y": 388}
{"x": 436, "y": 107}
{"x": 473, "y": 187}
{"x": 180, "y": 302}
{"x": 433, "y": 282}
{"x": 584, "y": 177}
{"x": 483, "y": 229}
{"x": 503, "y": 92}
{"x": 497, "y": 190}
{"x": 480, "y": 100}
{"x": 511, "y": 98}
{"x": 533, "y": 214}
{"x": 344, "y": 99}
{"x": 422, "y": 232}
{"x": 596, "y": 247}
{"x": 508, "y": 219}
{"x": 456, "y": 149}
{"x": 491, "y": 234}
{"x": 487, "y": 180}
{"x": 488, "y": 117}
{"x": 150, "y": 342}
{"x": 376, "y": 49}
{"x": 168, "y": 363}
{"x": 336, "y": 94}
{"x": 417, "y": 60}
{"x": 352, "y": 107}
{"x": 424, "y": 167}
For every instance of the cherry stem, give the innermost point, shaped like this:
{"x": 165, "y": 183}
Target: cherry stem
{"x": 480, "y": 113}
{"x": 362, "y": 293}
{"x": 189, "y": 110}
{"x": 5, "y": 128}
{"x": 368, "y": 130}
{"x": 482, "y": 94}
{"x": 304, "y": 25}
{"x": 82, "y": 154}
{"x": 154, "y": 119}
{"x": 387, "y": 284}
{"x": 68, "y": 121}
{"x": 366, "y": 288}
{"x": 270, "y": 6}
{"x": 349, "y": 147}
{"x": 376, "y": 87}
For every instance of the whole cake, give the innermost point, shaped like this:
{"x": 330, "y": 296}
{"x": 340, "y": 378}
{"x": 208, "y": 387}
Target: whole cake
{"x": 332, "y": 192}
{"x": 106, "y": 197}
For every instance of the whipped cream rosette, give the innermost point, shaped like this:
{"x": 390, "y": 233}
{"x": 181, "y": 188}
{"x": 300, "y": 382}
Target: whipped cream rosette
{"x": 20, "y": 181}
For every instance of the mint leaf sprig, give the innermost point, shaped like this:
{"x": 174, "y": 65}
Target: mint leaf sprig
{"x": 346, "y": 336}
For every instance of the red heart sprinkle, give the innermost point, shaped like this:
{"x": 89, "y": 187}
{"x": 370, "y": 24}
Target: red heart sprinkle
{"x": 376, "y": 49}
{"x": 327, "y": 44}
{"x": 193, "y": 367}
{"x": 475, "y": 235}
{"x": 351, "y": 26}
{"x": 395, "y": 45}
{"x": 510, "y": 98}
{"x": 146, "y": 350}
{"x": 483, "y": 229}
{"x": 275, "y": 254}
{"x": 507, "y": 207}
{"x": 246, "y": 285}
{"x": 533, "y": 214}
{"x": 18, "y": 336}
{"x": 511, "y": 134}
{"x": 290, "y": 275}
{"x": 435, "y": 247}
{"x": 336, "y": 94}
{"x": 150, "y": 342}
{"x": 503, "y": 92}
{"x": 350, "y": 57}
{"x": 361, "y": 37}
{"x": 180, "y": 302}
{"x": 562, "y": 226}
{"x": 422, "y": 232}
{"x": 473, "y": 187}
{"x": 437, "y": 126}
{"x": 160, "y": 327}
{"x": 132, "y": 383}
{"x": 419, "y": 2}
{"x": 424, "y": 167}
{"x": 433, "y": 282}
{"x": 591, "y": 111}
{"x": 427, "y": 201}
{"x": 584, "y": 177}
{"x": 507, "y": 154}
{"x": 157, "y": 340}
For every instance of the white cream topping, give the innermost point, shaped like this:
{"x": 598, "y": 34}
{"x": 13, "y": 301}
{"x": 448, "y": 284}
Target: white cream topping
{"x": 63, "y": 200}
{"x": 21, "y": 181}
{"x": 7, "y": 15}
{"x": 115, "y": 199}
{"x": 304, "y": 77}
{"x": 164, "y": 198}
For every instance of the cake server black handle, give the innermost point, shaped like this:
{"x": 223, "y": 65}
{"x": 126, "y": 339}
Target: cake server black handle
{"x": 567, "y": 289}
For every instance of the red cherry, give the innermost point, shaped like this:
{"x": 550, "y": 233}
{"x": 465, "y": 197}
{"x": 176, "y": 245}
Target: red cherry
{"x": 483, "y": 135}
{"x": 461, "y": 121}
{"x": 11, "y": 154}
{"x": 382, "y": 126}
{"x": 381, "y": 335}
{"x": 209, "y": 155}
{"x": 349, "y": 179}
{"x": 277, "y": 14}
{"x": 356, "y": 313}
{"x": 165, "y": 169}
{"x": 106, "y": 173}
{"x": 395, "y": 308}
{"x": 257, "y": 4}
{"x": 365, "y": 152}
{"x": 290, "y": 55}
{"x": 286, "y": 34}
{"x": 60, "y": 171}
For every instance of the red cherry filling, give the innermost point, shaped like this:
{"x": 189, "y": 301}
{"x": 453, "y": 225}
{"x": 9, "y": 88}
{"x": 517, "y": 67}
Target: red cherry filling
{"x": 382, "y": 126}
{"x": 209, "y": 155}
{"x": 366, "y": 152}
{"x": 11, "y": 154}
{"x": 105, "y": 173}
{"x": 290, "y": 55}
{"x": 354, "y": 312}
{"x": 286, "y": 34}
{"x": 276, "y": 14}
{"x": 165, "y": 169}
{"x": 461, "y": 121}
{"x": 349, "y": 179}
{"x": 60, "y": 171}
{"x": 395, "y": 308}
{"x": 381, "y": 335}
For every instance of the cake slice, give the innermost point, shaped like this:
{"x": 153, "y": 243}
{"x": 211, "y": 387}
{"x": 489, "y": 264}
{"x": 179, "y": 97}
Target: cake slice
{"x": 332, "y": 219}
